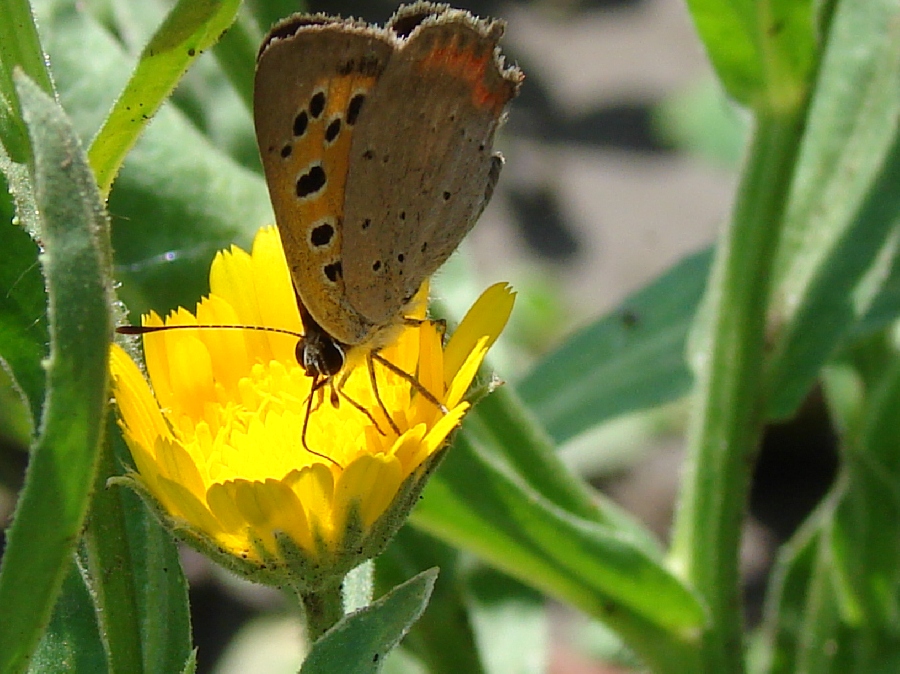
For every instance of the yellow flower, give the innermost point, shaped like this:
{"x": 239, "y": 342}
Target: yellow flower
{"x": 218, "y": 443}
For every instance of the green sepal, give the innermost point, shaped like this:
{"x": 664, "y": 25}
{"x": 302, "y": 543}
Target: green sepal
{"x": 292, "y": 565}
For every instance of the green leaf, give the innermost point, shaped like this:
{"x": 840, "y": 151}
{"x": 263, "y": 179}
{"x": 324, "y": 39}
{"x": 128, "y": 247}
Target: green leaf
{"x": 170, "y": 216}
{"x": 60, "y": 476}
{"x": 359, "y": 641}
{"x": 845, "y": 207}
{"x": 478, "y": 503}
{"x": 631, "y": 359}
{"x": 832, "y": 605}
{"x": 804, "y": 629}
{"x": 478, "y": 619}
{"x": 190, "y": 665}
{"x": 16, "y": 428}
{"x": 818, "y": 648}
{"x": 501, "y": 426}
{"x": 20, "y": 48}
{"x": 762, "y": 50}
{"x": 144, "y": 606}
{"x": 191, "y": 27}
{"x": 72, "y": 641}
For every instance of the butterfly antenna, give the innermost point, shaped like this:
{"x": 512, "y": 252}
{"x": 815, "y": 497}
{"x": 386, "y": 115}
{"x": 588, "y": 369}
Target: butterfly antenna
{"x": 317, "y": 384}
{"x": 146, "y": 329}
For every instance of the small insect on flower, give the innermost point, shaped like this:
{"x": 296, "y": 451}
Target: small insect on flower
{"x": 218, "y": 441}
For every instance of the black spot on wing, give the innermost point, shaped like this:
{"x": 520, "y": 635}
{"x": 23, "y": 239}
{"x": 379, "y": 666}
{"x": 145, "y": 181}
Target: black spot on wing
{"x": 354, "y": 108}
{"x": 333, "y": 130}
{"x": 321, "y": 235}
{"x": 311, "y": 182}
{"x": 317, "y": 104}
{"x": 333, "y": 271}
{"x": 301, "y": 122}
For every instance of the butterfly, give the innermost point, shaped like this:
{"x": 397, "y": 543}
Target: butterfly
{"x": 377, "y": 146}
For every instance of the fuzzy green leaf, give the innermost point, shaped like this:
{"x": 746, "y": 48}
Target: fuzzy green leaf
{"x": 53, "y": 503}
{"x": 144, "y": 606}
{"x": 20, "y": 47}
{"x": 358, "y": 643}
{"x": 72, "y": 641}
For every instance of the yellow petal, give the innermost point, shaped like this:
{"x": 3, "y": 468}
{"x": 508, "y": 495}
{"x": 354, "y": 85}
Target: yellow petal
{"x": 229, "y": 355}
{"x": 431, "y": 369}
{"x": 251, "y": 501}
{"x": 466, "y": 373}
{"x": 186, "y": 506}
{"x": 288, "y": 515}
{"x": 224, "y": 509}
{"x": 314, "y": 487}
{"x": 408, "y": 449}
{"x": 272, "y": 280}
{"x": 174, "y": 463}
{"x": 231, "y": 278}
{"x": 371, "y": 482}
{"x": 439, "y": 432}
{"x": 139, "y": 410}
{"x": 486, "y": 318}
{"x": 157, "y": 361}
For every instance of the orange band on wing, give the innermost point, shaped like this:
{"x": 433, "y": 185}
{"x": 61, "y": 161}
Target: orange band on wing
{"x": 472, "y": 68}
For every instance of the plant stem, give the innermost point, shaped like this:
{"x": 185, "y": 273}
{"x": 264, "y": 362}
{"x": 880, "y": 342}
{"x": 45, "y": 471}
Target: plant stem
{"x": 323, "y": 609}
{"x": 729, "y": 406}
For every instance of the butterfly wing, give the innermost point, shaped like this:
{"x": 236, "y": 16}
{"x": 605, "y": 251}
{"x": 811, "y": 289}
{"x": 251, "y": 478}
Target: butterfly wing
{"x": 312, "y": 75}
{"x": 422, "y": 165}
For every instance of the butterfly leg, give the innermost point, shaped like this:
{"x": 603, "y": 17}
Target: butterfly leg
{"x": 371, "y": 366}
{"x": 415, "y": 383}
{"x": 358, "y": 406}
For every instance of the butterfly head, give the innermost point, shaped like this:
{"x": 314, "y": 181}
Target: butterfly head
{"x": 320, "y": 355}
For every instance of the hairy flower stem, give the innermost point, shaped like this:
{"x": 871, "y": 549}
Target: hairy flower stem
{"x": 322, "y": 609}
